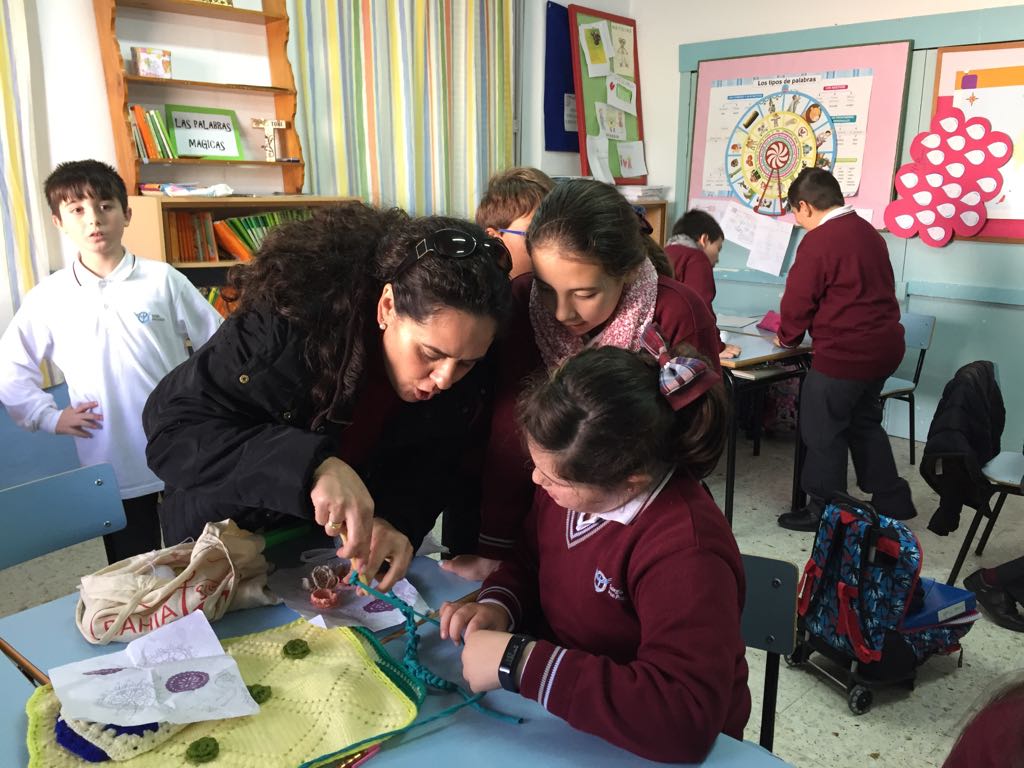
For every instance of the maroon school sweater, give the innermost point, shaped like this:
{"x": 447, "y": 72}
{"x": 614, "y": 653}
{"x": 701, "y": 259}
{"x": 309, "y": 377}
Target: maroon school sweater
{"x": 841, "y": 290}
{"x": 507, "y": 488}
{"x": 694, "y": 270}
{"x": 638, "y": 625}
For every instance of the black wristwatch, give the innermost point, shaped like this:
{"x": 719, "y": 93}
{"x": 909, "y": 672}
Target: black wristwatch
{"x": 510, "y": 660}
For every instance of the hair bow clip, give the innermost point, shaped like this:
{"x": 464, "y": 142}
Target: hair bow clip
{"x": 681, "y": 379}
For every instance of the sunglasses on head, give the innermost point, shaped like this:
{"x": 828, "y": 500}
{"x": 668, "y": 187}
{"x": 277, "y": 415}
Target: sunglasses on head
{"x": 456, "y": 244}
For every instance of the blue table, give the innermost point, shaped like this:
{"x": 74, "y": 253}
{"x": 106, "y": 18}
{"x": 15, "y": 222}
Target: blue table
{"x": 47, "y": 636}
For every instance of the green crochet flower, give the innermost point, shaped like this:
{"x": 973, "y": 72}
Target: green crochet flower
{"x": 202, "y": 750}
{"x": 259, "y": 693}
{"x": 296, "y": 649}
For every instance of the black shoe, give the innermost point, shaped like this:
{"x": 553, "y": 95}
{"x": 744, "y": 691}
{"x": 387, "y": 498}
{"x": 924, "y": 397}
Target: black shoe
{"x": 802, "y": 520}
{"x": 995, "y": 603}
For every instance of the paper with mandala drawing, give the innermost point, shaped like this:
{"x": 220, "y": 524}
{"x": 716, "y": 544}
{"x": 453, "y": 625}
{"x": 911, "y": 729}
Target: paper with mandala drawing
{"x": 178, "y": 673}
{"x": 351, "y": 610}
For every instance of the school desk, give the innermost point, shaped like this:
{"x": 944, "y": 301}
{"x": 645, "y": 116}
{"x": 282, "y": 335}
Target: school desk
{"x": 742, "y": 376}
{"x": 47, "y": 635}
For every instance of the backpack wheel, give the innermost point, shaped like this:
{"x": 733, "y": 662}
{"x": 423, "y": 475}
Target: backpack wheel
{"x": 860, "y": 699}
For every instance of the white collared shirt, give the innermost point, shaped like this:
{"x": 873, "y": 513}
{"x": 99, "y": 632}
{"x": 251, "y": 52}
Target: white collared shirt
{"x": 835, "y": 213}
{"x": 114, "y": 338}
{"x": 628, "y": 512}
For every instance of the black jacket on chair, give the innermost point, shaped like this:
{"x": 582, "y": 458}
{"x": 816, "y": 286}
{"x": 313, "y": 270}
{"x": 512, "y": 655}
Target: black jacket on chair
{"x": 968, "y": 422}
{"x": 231, "y": 434}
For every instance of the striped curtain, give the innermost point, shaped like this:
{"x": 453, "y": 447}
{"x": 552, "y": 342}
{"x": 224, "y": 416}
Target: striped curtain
{"x": 22, "y": 242}
{"x": 404, "y": 102}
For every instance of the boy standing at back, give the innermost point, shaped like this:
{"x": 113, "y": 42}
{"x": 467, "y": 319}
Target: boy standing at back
{"x": 115, "y": 325}
{"x": 507, "y": 209}
{"x": 842, "y": 291}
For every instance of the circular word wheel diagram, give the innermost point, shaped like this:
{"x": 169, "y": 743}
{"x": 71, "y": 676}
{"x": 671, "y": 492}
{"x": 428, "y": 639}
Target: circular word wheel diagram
{"x": 779, "y": 136}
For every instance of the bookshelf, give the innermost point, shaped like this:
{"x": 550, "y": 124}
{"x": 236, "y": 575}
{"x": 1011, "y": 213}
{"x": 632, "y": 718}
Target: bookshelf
{"x": 185, "y": 25}
{"x": 655, "y": 212}
{"x": 148, "y": 234}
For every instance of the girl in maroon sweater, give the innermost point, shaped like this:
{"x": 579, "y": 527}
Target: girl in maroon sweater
{"x": 626, "y": 589}
{"x": 592, "y": 286}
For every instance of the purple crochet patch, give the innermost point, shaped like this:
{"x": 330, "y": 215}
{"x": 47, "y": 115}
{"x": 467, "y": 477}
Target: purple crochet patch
{"x": 377, "y": 606}
{"x": 186, "y": 681}
{"x": 109, "y": 671}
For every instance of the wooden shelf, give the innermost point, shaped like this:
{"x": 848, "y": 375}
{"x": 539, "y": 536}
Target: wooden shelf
{"x": 263, "y": 203}
{"x": 168, "y": 82}
{"x": 205, "y": 264}
{"x": 272, "y": 19}
{"x": 204, "y": 161}
{"x": 149, "y": 233}
{"x": 206, "y": 10}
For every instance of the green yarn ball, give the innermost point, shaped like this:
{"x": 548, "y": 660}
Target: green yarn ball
{"x": 202, "y": 750}
{"x": 260, "y": 693}
{"x": 296, "y": 649}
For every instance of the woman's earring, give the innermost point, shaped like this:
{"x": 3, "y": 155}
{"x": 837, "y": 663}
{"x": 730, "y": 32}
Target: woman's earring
{"x": 383, "y": 326}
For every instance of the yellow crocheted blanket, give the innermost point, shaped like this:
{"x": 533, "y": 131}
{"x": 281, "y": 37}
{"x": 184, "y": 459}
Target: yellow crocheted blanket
{"x": 347, "y": 690}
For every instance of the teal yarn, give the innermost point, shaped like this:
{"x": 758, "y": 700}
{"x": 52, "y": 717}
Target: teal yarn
{"x": 413, "y": 665}
{"x": 411, "y": 658}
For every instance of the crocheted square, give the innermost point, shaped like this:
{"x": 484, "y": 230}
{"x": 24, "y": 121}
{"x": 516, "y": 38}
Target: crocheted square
{"x": 346, "y": 691}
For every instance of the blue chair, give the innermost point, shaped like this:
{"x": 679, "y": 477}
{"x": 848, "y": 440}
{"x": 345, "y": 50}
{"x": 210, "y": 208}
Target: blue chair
{"x": 918, "y": 330}
{"x": 769, "y": 624}
{"x": 58, "y": 511}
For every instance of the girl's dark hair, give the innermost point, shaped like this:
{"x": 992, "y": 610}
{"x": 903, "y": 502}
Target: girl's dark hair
{"x": 589, "y": 221}
{"x": 695, "y": 223}
{"x": 79, "y": 179}
{"x": 325, "y": 275}
{"x": 475, "y": 284}
{"x": 603, "y": 413}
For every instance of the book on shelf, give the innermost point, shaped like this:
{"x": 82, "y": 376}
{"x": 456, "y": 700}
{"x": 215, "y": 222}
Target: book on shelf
{"x": 152, "y": 62}
{"x": 215, "y": 296}
{"x": 151, "y": 141}
{"x": 633, "y": 192}
{"x": 196, "y": 237}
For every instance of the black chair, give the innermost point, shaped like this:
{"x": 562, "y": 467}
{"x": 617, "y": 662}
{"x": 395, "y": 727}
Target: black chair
{"x": 769, "y": 624}
{"x": 958, "y": 475}
{"x": 918, "y": 331}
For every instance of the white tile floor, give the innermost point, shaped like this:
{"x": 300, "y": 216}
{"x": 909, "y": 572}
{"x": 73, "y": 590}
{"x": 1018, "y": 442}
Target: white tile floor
{"x": 814, "y": 727}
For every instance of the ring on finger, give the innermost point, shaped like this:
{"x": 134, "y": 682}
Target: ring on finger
{"x": 333, "y": 525}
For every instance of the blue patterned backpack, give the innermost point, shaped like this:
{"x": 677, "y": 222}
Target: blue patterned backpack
{"x": 858, "y": 586}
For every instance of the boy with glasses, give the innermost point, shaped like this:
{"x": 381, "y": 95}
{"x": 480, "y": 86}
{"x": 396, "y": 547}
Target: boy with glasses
{"x": 507, "y": 209}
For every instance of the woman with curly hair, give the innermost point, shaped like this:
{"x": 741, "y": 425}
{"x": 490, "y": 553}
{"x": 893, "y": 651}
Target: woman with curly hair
{"x": 342, "y": 388}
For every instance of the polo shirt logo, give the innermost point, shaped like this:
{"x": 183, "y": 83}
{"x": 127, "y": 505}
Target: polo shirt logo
{"x": 145, "y": 317}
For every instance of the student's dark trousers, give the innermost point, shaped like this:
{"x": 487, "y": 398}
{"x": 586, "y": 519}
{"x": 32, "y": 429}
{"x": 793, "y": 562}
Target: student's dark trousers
{"x": 845, "y": 415}
{"x": 141, "y": 534}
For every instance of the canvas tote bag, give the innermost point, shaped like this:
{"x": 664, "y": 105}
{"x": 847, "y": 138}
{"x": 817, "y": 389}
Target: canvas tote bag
{"x": 223, "y": 570}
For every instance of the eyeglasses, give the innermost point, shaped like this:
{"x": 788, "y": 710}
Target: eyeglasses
{"x": 519, "y": 232}
{"x": 456, "y": 244}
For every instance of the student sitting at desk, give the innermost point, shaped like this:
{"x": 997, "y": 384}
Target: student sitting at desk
{"x": 343, "y": 388}
{"x": 693, "y": 250}
{"x": 593, "y": 285}
{"x": 841, "y": 290}
{"x": 627, "y": 577}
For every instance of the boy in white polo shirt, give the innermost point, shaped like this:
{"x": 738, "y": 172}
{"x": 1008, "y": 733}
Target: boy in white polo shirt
{"x": 115, "y": 325}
